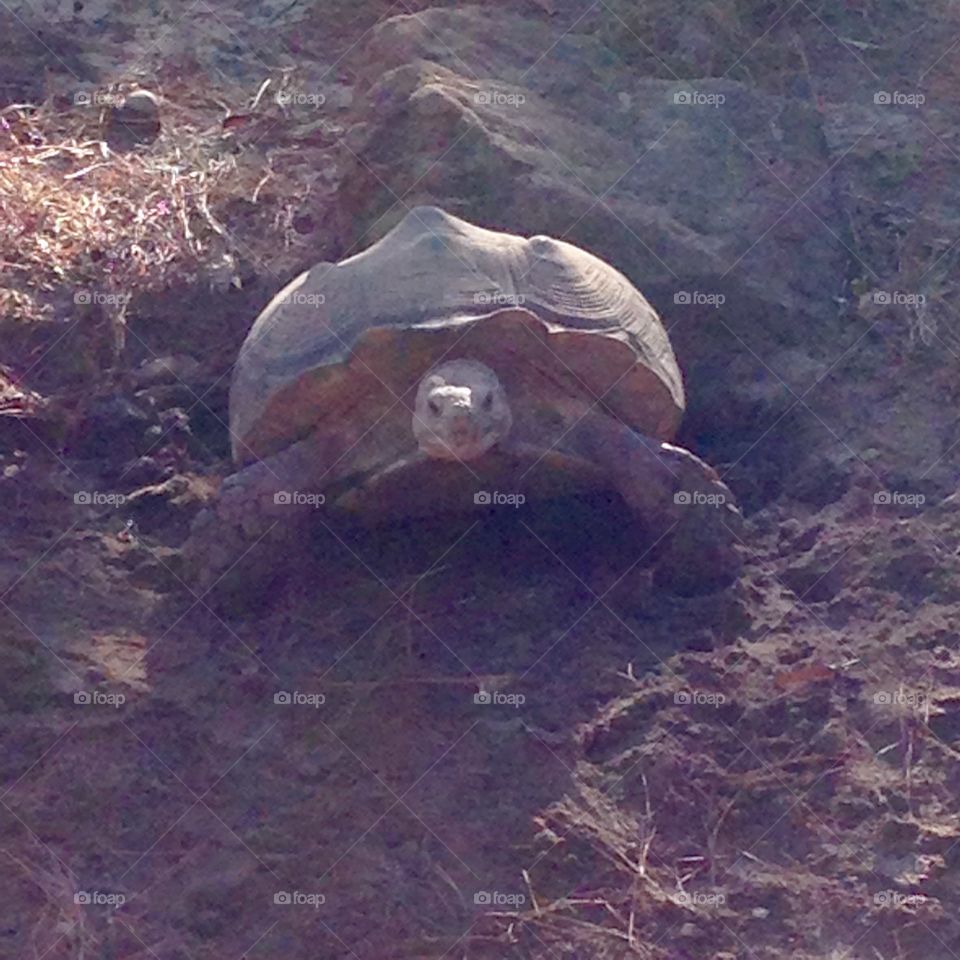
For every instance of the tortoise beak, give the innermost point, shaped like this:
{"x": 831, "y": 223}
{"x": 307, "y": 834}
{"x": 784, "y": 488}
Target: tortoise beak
{"x": 462, "y": 426}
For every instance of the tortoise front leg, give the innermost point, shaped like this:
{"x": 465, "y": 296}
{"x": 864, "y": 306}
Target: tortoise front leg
{"x": 257, "y": 513}
{"x": 263, "y": 513}
{"x": 690, "y": 513}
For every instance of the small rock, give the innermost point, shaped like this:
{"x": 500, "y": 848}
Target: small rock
{"x": 135, "y": 120}
{"x": 176, "y": 368}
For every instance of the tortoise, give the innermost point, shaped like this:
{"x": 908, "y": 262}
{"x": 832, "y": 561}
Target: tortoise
{"x": 447, "y": 359}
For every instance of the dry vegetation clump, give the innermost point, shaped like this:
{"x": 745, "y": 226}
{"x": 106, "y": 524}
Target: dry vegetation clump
{"x": 87, "y": 228}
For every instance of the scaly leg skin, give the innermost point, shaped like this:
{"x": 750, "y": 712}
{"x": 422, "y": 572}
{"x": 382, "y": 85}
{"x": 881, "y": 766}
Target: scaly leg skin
{"x": 242, "y": 540}
{"x": 690, "y": 513}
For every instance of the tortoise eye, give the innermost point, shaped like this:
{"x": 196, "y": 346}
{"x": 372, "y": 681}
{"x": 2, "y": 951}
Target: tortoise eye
{"x": 434, "y": 407}
{"x": 488, "y": 401}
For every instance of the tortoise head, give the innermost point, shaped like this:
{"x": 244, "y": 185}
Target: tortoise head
{"x": 461, "y": 411}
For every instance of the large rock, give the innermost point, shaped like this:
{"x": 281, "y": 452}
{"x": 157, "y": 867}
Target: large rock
{"x": 701, "y": 188}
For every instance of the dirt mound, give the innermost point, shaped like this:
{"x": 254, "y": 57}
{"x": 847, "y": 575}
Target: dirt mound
{"x": 442, "y": 738}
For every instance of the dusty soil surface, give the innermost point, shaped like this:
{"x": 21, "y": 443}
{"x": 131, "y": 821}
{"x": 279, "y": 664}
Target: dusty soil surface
{"x": 482, "y": 735}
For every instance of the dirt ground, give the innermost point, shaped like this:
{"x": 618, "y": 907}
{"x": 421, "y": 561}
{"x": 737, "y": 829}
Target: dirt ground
{"x": 482, "y": 735}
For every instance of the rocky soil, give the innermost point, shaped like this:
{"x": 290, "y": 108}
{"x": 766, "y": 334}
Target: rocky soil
{"x": 463, "y": 736}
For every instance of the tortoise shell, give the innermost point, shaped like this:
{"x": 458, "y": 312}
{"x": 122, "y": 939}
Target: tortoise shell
{"x": 353, "y": 339}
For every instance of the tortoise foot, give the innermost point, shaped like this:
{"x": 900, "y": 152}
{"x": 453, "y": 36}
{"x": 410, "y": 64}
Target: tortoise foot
{"x": 701, "y": 547}
{"x": 248, "y": 537}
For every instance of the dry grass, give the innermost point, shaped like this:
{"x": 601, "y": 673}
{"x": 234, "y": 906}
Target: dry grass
{"x": 88, "y": 228}
{"x": 62, "y": 925}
